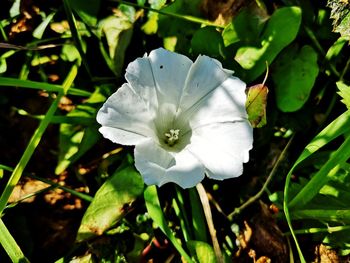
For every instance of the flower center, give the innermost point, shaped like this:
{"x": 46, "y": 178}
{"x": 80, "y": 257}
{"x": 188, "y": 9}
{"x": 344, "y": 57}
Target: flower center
{"x": 171, "y": 137}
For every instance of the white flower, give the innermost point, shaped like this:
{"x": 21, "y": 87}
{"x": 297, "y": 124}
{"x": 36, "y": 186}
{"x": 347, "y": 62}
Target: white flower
{"x": 185, "y": 118}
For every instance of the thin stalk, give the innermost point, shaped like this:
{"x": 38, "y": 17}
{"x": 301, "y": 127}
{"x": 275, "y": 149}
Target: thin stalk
{"x": 34, "y": 141}
{"x": 30, "y": 195}
{"x": 75, "y": 34}
{"x": 82, "y": 196}
{"x": 208, "y": 216}
{"x": 192, "y": 19}
{"x": 254, "y": 198}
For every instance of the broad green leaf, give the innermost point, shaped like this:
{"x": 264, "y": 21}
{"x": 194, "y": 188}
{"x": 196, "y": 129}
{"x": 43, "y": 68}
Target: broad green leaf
{"x": 246, "y": 27}
{"x": 294, "y": 74}
{"x": 201, "y": 251}
{"x": 256, "y": 105}
{"x": 118, "y": 32}
{"x": 111, "y": 202}
{"x": 87, "y": 10}
{"x": 280, "y": 31}
{"x": 213, "y": 48}
{"x": 344, "y": 92}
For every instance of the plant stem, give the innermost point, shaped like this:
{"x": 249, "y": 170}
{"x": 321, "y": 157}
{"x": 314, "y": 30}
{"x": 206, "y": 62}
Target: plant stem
{"x": 208, "y": 216}
{"x": 179, "y": 16}
{"x": 254, "y": 198}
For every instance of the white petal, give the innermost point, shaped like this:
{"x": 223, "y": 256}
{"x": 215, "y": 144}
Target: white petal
{"x": 125, "y": 118}
{"x": 170, "y": 72}
{"x": 157, "y": 166}
{"x": 212, "y": 94}
{"x": 222, "y": 148}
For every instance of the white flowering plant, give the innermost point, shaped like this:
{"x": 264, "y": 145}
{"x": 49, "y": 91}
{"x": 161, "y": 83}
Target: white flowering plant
{"x": 185, "y": 118}
{"x": 160, "y": 143}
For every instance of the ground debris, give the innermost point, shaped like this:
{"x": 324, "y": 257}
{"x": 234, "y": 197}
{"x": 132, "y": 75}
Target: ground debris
{"x": 262, "y": 240}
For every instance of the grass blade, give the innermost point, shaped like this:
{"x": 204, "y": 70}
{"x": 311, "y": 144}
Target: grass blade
{"x": 34, "y": 141}
{"x": 338, "y": 127}
{"x": 40, "y": 85}
{"x": 10, "y": 245}
{"x": 156, "y": 213}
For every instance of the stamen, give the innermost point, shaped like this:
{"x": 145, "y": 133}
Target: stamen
{"x": 172, "y": 137}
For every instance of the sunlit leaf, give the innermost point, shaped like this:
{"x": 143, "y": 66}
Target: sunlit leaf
{"x": 340, "y": 13}
{"x": 118, "y": 32}
{"x": 294, "y": 75}
{"x": 344, "y": 92}
{"x": 280, "y": 31}
{"x": 201, "y": 251}
{"x": 111, "y": 202}
{"x": 151, "y": 26}
{"x": 39, "y": 31}
{"x": 245, "y": 27}
{"x": 256, "y": 105}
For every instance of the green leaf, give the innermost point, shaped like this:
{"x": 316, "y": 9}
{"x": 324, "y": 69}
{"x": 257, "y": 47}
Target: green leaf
{"x": 111, "y": 202}
{"x": 281, "y": 30}
{"x": 156, "y": 213}
{"x": 294, "y": 68}
{"x": 202, "y": 252}
{"x": 70, "y": 53}
{"x": 256, "y": 105}
{"x": 12, "y": 82}
{"x": 182, "y": 30}
{"x": 10, "y": 245}
{"x": 344, "y": 92}
{"x": 151, "y": 26}
{"x": 118, "y": 32}
{"x": 39, "y": 31}
{"x": 245, "y": 27}
{"x": 213, "y": 48}
{"x": 87, "y": 10}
